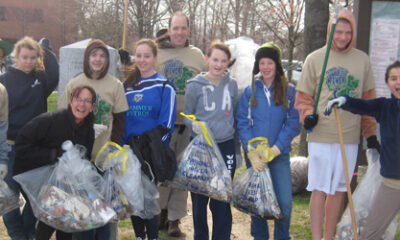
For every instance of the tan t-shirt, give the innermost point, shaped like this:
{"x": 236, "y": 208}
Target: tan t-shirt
{"x": 110, "y": 99}
{"x": 392, "y": 183}
{"x": 347, "y": 73}
{"x": 3, "y": 103}
{"x": 179, "y": 65}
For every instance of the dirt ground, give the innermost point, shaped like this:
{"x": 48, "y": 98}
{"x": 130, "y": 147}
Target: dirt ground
{"x": 240, "y": 227}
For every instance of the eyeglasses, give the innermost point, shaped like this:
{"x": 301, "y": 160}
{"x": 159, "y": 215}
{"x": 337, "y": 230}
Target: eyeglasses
{"x": 85, "y": 101}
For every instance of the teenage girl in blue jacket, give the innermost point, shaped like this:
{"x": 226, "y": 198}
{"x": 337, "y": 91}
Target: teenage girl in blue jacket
{"x": 266, "y": 109}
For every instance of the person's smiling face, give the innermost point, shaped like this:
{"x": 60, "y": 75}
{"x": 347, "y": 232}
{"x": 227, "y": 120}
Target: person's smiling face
{"x": 342, "y": 35}
{"x": 218, "y": 62}
{"x": 97, "y": 60}
{"x": 145, "y": 60}
{"x": 179, "y": 31}
{"x": 82, "y": 105}
{"x": 393, "y": 81}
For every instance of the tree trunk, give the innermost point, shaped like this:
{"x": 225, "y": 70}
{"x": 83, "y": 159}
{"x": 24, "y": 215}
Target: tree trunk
{"x": 316, "y": 19}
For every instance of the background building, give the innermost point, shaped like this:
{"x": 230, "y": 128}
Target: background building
{"x": 53, "y": 19}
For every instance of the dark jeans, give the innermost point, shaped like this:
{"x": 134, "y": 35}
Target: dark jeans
{"x": 44, "y": 232}
{"x": 145, "y": 226}
{"x": 221, "y": 211}
{"x": 20, "y": 225}
{"x": 101, "y": 233}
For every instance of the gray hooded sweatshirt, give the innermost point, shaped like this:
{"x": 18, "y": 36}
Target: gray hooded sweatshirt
{"x": 212, "y": 104}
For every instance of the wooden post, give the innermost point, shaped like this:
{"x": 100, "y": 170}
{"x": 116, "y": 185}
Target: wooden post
{"x": 124, "y": 26}
{"x": 346, "y": 174}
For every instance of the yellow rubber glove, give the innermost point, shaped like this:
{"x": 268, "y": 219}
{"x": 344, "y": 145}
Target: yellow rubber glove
{"x": 256, "y": 160}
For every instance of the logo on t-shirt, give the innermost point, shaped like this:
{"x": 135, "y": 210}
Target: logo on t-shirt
{"x": 35, "y": 83}
{"x": 176, "y": 72}
{"x": 138, "y": 98}
{"x": 102, "y": 112}
{"x": 341, "y": 82}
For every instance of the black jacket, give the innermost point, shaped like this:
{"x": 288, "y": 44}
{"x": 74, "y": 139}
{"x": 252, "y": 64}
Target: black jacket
{"x": 39, "y": 141}
{"x": 150, "y": 148}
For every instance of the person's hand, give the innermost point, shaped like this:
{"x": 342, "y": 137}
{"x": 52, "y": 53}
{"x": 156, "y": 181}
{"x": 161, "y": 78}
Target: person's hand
{"x": 372, "y": 142}
{"x": 3, "y": 170}
{"x": 124, "y": 56}
{"x": 339, "y": 101}
{"x": 310, "y": 121}
{"x": 257, "y": 161}
{"x": 196, "y": 127}
{"x": 273, "y": 152}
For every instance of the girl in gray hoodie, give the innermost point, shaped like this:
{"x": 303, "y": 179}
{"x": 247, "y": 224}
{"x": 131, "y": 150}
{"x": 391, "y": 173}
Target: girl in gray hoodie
{"x": 212, "y": 97}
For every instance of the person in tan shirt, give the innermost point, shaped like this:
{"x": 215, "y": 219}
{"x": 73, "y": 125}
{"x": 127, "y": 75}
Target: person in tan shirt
{"x": 178, "y": 62}
{"x": 348, "y": 73}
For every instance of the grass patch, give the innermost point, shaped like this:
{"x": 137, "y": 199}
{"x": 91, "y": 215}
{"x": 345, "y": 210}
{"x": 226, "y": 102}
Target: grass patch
{"x": 52, "y": 102}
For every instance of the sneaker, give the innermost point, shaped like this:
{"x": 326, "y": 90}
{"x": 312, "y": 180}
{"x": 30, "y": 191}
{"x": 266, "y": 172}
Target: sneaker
{"x": 173, "y": 228}
{"x": 163, "y": 220}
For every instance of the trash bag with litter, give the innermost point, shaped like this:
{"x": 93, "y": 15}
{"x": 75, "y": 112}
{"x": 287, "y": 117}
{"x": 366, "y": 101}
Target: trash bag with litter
{"x": 66, "y": 195}
{"x": 202, "y": 168}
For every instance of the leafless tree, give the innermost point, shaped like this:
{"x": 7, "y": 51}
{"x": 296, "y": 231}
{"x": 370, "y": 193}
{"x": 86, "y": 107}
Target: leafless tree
{"x": 285, "y": 20}
{"x": 315, "y": 25}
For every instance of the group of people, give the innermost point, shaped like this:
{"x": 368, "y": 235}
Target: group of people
{"x": 170, "y": 76}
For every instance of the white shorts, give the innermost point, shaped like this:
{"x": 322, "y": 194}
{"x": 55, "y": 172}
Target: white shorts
{"x": 325, "y": 167}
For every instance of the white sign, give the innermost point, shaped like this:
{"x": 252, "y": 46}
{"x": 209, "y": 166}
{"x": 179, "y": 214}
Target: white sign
{"x": 384, "y": 48}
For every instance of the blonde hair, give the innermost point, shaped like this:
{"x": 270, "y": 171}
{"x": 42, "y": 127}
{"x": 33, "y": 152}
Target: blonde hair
{"x": 31, "y": 44}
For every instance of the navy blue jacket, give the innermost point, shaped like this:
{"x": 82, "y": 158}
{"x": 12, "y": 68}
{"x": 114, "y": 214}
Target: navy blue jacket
{"x": 27, "y": 93}
{"x": 387, "y": 114}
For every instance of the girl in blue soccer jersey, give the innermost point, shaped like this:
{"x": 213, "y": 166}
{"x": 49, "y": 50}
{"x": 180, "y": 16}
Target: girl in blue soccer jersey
{"x": 152, "y": 102}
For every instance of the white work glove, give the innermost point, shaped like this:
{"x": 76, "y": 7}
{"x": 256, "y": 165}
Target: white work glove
{"x": 3, "y": 170}
{"x": 340, "y": 101}
{"x": 99, "y": 129}
{"x": 257, "y": 160}
{"x": 273, "y": 152}
{"x": 260, "y": 158}
{"x": 196, "y": 127}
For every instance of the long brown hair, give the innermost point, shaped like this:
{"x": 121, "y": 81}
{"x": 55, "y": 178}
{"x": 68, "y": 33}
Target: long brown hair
{"x": 280, "y": 90}
{"x": 132, "y": 71}
{"x": 31, "y": 44}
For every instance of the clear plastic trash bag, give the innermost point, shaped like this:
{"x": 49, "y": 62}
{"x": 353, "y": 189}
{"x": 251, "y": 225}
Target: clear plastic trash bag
{"x": 253, "y": 193}
{"x": 363, "y": 198}
{"x": 122, "y": 174}
{"x": 150, "y": 198}
{"x": 299, "y": 172}
{"x": 201, "y": 168}
{"x": 8, "y": 199}
{"x": 66, "y": 195}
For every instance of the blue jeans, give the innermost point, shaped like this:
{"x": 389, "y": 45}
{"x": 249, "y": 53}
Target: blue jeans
{"x": 101, "y": 233}
{"x": 20, "y": 226}
{"x": 221, "y": 211}
{"x": 282, "y": 182}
